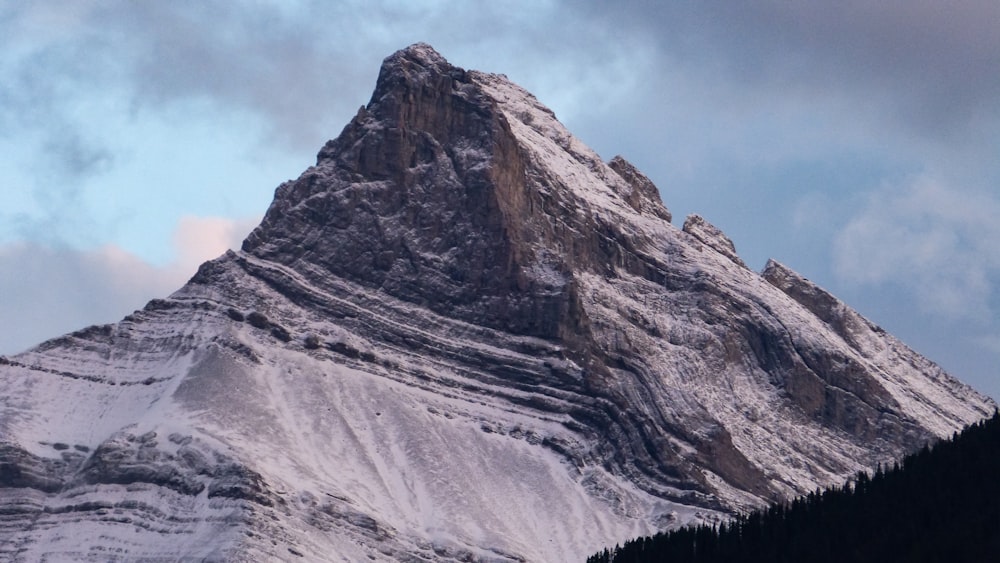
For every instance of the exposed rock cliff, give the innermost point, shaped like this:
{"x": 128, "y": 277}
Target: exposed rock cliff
{"x": 712, "y": 237}
{"x": 459, "y": 336}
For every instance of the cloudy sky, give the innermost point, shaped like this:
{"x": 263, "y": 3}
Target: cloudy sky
{"x": 857, "y": 142}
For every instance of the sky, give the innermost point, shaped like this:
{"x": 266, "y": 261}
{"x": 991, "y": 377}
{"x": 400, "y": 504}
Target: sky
{"x": 856, "y": 142}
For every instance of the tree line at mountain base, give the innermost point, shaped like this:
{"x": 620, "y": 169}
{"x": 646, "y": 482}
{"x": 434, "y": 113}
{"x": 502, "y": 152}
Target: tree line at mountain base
{"x": 940, "y": 504}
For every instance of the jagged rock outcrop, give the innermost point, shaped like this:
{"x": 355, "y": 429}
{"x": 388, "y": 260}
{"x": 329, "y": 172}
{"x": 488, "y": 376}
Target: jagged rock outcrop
{"x": 707, "y": 233}
{"x": 643, "y": 195}
{"x": 460, "y": 336}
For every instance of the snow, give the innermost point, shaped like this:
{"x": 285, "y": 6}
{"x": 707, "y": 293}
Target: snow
{"x": 380, "y": 429}
{"x": 573, "y": 165}
{"x": 434, "y": 461}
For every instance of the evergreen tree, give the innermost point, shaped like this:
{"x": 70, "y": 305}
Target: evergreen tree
{"x": 940, "y": 504}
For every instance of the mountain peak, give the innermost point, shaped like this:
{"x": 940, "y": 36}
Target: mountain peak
{"x": 419, "y": 52}
{"x": 418, "y": 64}
{"x": 454, "y": 177}
{"x": 459, "y": 336}
{"x": 459, "y": 193}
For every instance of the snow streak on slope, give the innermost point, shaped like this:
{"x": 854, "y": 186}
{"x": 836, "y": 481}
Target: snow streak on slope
{"x": 366, "y": 449}
{"x": 460, "y": 336}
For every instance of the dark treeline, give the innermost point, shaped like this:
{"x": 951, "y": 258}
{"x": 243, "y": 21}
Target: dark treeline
{"x": 940, "y": 504}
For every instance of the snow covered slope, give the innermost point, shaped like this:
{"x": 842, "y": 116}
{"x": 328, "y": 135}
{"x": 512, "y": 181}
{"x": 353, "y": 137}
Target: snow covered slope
{"x": 460, "y": 336}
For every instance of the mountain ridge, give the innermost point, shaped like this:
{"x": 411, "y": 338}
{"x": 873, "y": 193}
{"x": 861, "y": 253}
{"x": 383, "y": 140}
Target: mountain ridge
{"x": 460, "y": 335}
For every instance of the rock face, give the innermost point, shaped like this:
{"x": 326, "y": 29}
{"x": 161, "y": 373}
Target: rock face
{"x": 459, "y": 336}
{"x": 712, "y": 237}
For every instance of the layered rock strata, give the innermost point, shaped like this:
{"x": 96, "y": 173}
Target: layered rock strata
{"x": 459, "y": 336}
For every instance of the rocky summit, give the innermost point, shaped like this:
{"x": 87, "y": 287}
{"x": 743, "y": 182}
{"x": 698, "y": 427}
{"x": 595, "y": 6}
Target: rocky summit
{"x": 460, "y": 336}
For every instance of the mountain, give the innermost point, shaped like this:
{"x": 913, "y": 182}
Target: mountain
{"x": 460, "y": 336}
{"x": 940, "y": 504}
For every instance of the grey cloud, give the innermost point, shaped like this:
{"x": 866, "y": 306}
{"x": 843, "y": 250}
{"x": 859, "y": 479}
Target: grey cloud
{"x": 297, "y": 69}
{"x": 290, "y": 75}
{"x": 226, "y": 58}
{"x": 719, "y": 102}
{"x": 935, "y": 241}
{"x": 306, "y": 70}
{"x": 931, "y": 66}
{"x": 71, "y": 156}
{"x": 302, "y": 68}
{"x": 276, "y": 66}
{"x": 44, "y": 71}
{"x": 48, "y": 291}
{"x": 65, "y": 160}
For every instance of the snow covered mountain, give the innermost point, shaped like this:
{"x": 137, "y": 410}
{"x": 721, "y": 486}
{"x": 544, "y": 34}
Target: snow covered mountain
{"x": 460, "y": 336}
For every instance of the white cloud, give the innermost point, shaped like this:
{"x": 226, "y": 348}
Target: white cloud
{"x": 50, "y": 291}
{"x": 198, "y": 239}
{"x": 939, "y": 243}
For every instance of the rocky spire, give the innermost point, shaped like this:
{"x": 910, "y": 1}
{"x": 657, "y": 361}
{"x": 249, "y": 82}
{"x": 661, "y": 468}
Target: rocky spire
{"x": 431, "y": 182}
{"x": 644, "y": 195}
{"x": 713, "y": 237}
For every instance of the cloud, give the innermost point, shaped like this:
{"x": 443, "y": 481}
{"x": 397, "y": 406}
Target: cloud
{"x": 50, "y": 291}
{"x": 930, "y": 68}
{"x": 86, "y": 86}
{"x": 773, "y": 118}
{"x": 73, "y": 157}
{"x": 198, "y": 239}
{"x": 935, "y": 241}
{"x": 302, "y": 68}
